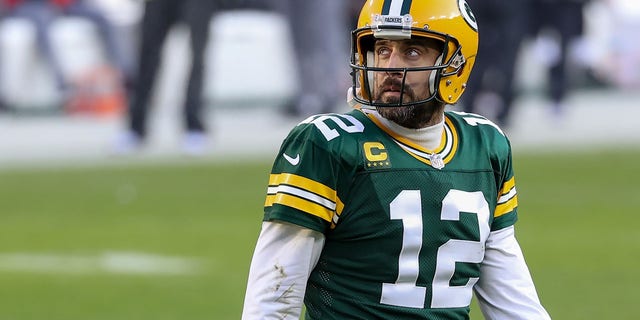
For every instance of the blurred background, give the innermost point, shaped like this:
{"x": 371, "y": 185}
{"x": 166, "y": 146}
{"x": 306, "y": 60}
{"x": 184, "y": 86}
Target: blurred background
{"x": 136, "y": 139}
{"x": 65, "y": 91}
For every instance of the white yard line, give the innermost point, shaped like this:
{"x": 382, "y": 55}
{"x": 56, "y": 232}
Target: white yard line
{"x": 135, "y": 263}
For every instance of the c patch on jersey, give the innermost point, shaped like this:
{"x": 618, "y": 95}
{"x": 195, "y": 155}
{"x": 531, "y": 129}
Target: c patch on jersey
{"x": 375, "y": 155}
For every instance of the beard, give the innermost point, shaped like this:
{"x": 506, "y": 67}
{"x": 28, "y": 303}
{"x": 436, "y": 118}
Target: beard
{"x": 412, "y": 117}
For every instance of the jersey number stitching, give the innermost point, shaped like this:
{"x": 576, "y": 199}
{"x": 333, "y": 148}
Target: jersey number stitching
{"x": 405, "y": 292}
{"x": 345, "y": 122}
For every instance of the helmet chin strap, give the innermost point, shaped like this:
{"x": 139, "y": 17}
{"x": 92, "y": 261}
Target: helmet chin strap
{"x": 432, "y": 76}
{"x": 370, "y": 74}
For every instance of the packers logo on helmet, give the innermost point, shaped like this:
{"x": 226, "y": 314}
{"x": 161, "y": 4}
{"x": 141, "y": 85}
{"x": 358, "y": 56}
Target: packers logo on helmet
{"x": 467, "y": 14}
{"x": 450, "y": 22}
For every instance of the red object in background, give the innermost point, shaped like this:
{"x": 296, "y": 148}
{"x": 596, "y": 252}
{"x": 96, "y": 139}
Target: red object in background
{"x": 11, "y": 3}
{"x": 60, "y": 3}
{"x": 97, "y": 92}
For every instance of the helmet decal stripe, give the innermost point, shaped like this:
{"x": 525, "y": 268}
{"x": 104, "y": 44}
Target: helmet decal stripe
{"x": 386, "y": 6}
{"x": 396, "y": 7}
{"x": 406, "y": 7}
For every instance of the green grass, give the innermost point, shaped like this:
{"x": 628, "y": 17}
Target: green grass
{"x": 209, "y": 212}
{"x": 579, "y": 222}
{"x": 579, "y": 219}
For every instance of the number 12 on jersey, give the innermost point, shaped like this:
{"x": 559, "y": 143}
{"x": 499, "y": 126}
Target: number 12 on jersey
{"x": 405, "y": 292}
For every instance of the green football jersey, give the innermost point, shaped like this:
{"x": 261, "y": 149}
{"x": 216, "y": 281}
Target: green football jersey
{"x": 405, "y": 227}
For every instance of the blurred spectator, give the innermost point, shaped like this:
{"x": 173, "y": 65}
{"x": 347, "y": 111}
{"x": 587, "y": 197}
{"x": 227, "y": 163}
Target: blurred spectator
{"x": 83, "y": 9}
{"x": 354, "y": 8}
{"x": 491, "y": 89}
{"x": 561, "y": 21}
{"x": 159, "y": 17}
{"x": 242, "y": 4}
{"x": 42, "y": 14}
{"x": 622, "y": 63}
{"x": 322, "y": 51}
{"x": 3, "y": 8}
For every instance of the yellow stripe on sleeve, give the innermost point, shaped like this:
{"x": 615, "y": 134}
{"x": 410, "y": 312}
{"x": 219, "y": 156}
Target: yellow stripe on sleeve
{"x": 300, "y": 204}
{"x": 304, "y": 184}
{"x": 507, "y": 186}
{"x": 506, "y": 207}
{"x": 339, "y": 206}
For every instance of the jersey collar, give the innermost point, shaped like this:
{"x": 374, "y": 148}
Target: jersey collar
{"x": 438, "y": 157}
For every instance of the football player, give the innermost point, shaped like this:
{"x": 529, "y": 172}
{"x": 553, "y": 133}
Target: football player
{"x": 397, "y": 209}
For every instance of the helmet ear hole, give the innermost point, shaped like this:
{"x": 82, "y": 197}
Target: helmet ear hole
{"x": 461, "y": 69}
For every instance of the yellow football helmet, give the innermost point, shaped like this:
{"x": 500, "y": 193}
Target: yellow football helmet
{"x": 450, "y": 21}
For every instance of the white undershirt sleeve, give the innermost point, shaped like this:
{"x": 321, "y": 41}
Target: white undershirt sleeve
{"x": 282, "y": 261}
{"x": 505, "y": 290}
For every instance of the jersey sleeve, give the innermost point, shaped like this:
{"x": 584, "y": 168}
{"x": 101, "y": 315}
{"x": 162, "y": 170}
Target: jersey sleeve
{"x": 304, "y": 181}
{"x": 506, "y": 211}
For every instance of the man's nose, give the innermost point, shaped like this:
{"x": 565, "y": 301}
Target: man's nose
{"x": 394, "y": 61}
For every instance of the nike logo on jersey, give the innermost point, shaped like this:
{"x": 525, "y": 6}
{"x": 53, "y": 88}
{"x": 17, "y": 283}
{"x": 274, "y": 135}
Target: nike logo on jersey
{"x": 294, "y": 161}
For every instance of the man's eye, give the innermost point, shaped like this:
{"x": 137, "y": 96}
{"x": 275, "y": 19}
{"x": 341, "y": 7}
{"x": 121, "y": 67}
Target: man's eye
{"x": 383, "y": 51}
{"x": 413, "y": 53}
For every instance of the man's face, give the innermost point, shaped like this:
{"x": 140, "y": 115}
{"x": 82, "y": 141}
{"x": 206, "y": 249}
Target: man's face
{"x": 388, "y": 85}
{"x": 403, "y": 54}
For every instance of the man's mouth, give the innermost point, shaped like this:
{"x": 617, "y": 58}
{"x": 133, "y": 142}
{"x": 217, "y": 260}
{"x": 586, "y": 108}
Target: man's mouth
{"x": 392, "y": 88}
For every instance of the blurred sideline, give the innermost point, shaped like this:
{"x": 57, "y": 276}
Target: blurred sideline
{"x": 595, "y": 120}
{"x": 249, "y": 77}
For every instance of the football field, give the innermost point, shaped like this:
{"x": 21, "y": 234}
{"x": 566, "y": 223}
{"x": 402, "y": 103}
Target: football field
{"x": 173, "y": 240}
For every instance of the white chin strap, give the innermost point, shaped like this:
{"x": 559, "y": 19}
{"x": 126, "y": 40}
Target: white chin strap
{"x": 370, "y": 74}
{"x": 350, "y": 97}
{"x": 432, "y": 76}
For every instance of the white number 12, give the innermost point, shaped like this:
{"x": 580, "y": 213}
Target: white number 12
{"x": 404, "y": 292}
